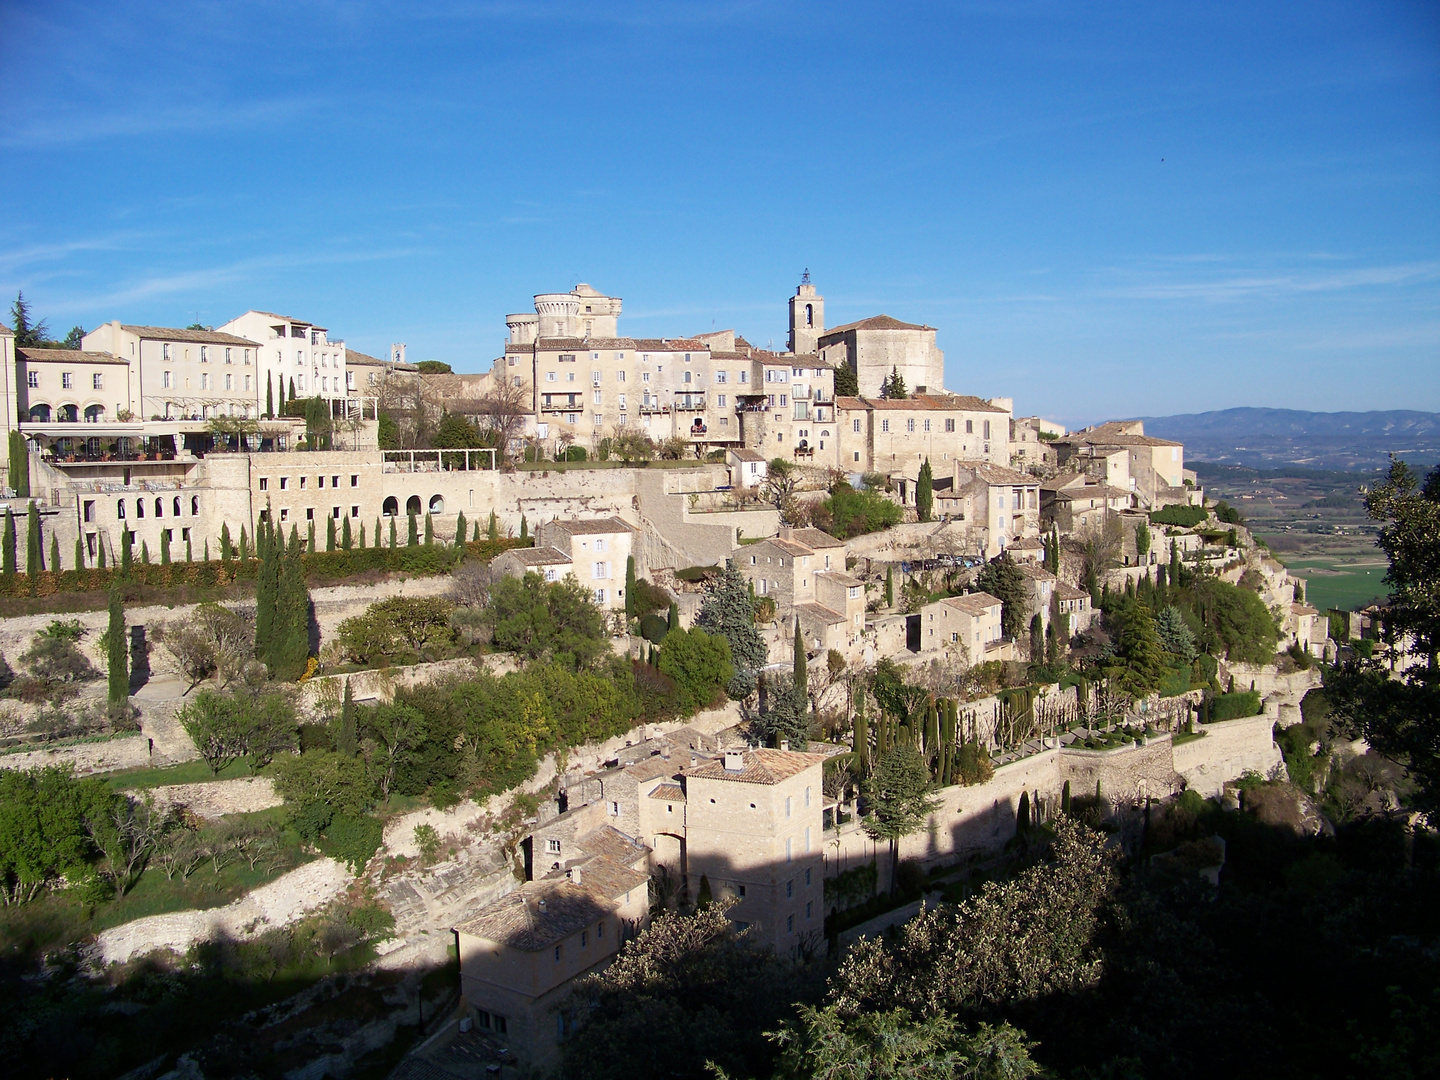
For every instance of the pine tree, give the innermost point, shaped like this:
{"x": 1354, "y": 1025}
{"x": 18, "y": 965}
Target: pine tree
{"x": 346, "y": 540}
{"x": 54, "y": 554}
{"x": 460, "y": 529}
{"x": 127, "y": 553}
{"x": 226, "y": 548}
{"x": 347, "y": 739}
{"x": 925, "y": 492}
{"x": 79, "y": 554}
{"x": 524, "y": 528}
{"x": 412, "y": 533}
{"x": 7, "y": 557}
{"x": 164, "y": 547}
{"x": 494, "y": 527}
{"x": 117, "y": 654}
{"x": 244, "y": 546}
{"x": 630, "y": 584}
{"x": 429, "y": 530}
{"x": 728, "y": 609}
{"x": 392, "y": 533}
{"x": 846, "y": 383}
{"x": 33, "y": 561}
{"x": 330, "y": 533}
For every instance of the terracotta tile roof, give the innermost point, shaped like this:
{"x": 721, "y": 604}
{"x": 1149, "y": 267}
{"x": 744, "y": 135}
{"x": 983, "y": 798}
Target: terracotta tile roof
{"x": 1064, "y": 591}
{"x": 875, "y": 322}
{"x": 839, "y": 576}
{"x": 746, "y": 454}
{"x": 922, "y": 402}
{"x": 202, "y": 337}
{"x": 520, "y": 347}
{"x": 540, "y": 556}
{"x": 670, "y": 345}
{"x": 790, "y": 547}
{"x": 668, "y": 793}
{"x": 816, "y": 538}
{"x": 1304, "y": 609}
{"x": 1091, "y": 491}
{"x": 761, "y": 767}
{"x": 827, "y": 615}
{"x": 1034, "y": 571}
{"x": 1028, "y": 543}
{"x": 354, "y": 356}
{"x": 583, "y": 526}
{"x": 1113, "y": 433}
{"x": 521, "y": 922}
{"x": 978, "y": 604}
{"x": 998, "y": 474}
{"x": 284, "y": 318}
{"x": 653, "y": 767}
{"x": 67, "y": 356}
{"x": 611, "y": 843}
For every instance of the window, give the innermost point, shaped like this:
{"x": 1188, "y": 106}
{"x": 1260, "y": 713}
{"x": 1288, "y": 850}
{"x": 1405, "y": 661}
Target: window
{"x": 595, "y": 377}
{"x": 720, "y": 376}
{"x": 789, "y": 924}
{"x": 885, "y": 425}
{"x": 596, "y": 399}
{"x": 139, "y": 508}
{"x": 552, "y": 847}
{"x": 807, "y": 796}
{"x": 910, "y": 424}
{"x": 809, "y": 907}
{"x": 165, "y": 379}
{"x": 247, "y": 358}
{"x": 302, "y": 483}
{"x": 560, "y": 1018}
{"x": 969, "y": 427}
{"x": 740, "y": 891}
{"x": 584, "y": 939}
{"x": 600, "y": 543}
{"x": 599, "y": 596}
{"x": 165, "y": 351}
{"x": 205, "y": 381}
{"x": 783, "y": 402}
{"x": 987, "y": 429}
{"x": 354, "y": 511}
{"x": 120, "y": 509}
{"x": 97, "y": 381}
{"x": 335, "y": 512}
{"x": 284, "y": 482}
{"x": 788, "y": 801}
{"x": 227, "y": 356}
{"x": 950, "y": 425}
{"x": 310, "y": 513}
{"x": 229, "y": 381}
{"x": 807, "y": 872}
{"x": 807, "y": 837}
{"x": 32, "y": 379}
{"x": 927, "y": 425}
{"x": 284, "y": 514}
{"x": 601, "y": 571}
{"x": 744, "y": 376}
{"x": 614, "y": 809}
{"x": 599, "y": 931}
{"x": 264, "y": 483}
{"x": 551, "y": 376}
{"x": 644, "y": 376}
{"x": 619, "y": 376}
{"x": 787, "y": 849}
{"x": 551, "y": 574}
{"x": 790, "y": 889}
{"x": 204, "y": 354}
{"x": 66, "y": 380}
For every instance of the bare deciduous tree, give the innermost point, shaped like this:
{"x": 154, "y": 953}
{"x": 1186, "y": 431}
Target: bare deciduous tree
{"x": 502, "y": 411}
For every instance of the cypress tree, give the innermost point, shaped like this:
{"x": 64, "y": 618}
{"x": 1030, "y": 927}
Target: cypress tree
{"x": 290, "y": 396}
{"x": 412, "y": 535}
{"x": 346, "y": 540}
{"x": 392, "y": 533}
{"x": 33, "y": 562}
{"x": 144, "y": 553}
{"x": 889, "y": 586}
{"x": 7, "y": 545}
{"x": 292, "y": 611}
{"x": 244, "y": 546}
{"x": 100, "y": 562}
{"x": 207, "y": 549}
{"x": 164, "y": 547}
{"x": 330, "y": 533}
{"x": 226, "y": 548}
{"x": 860, "y": 740}
{"x": 494, "y": 527}
{"x": 1037, "y": 639}
{"x": 801, "y": 674}
{"x": 362, "y": 534}
{"x": 116, "y": 653}
{"x": 925, "y": 492}
{"x": 1022, "y": 816}
{"x": 475, "y": 536}
{"x": 267, "y": 585}
{"x": 379, "y": 536}
{"x": 79, "y": 554}
{"x": 19, "y": 480}
{"x": 189, "y": 553}
{"x": 524, "y": 528}
{"x": 127, "y": 557}
{"x": 269, "y": 397}
{"x": 54, "y": 554}
{"x": 460, "y": 529}
{"x": 429, "y": 530}
{"x": 630, "y": 585}
{"x": 347, "y": 739}
{"x": 310, "y": 538}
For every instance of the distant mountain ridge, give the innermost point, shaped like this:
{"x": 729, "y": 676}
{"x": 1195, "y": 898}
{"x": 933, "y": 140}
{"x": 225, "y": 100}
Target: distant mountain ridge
{"x": 1266, "y": 438}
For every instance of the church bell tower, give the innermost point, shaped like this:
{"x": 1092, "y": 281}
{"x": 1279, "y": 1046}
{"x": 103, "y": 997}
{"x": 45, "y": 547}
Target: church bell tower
{"x": 807, "y": 317}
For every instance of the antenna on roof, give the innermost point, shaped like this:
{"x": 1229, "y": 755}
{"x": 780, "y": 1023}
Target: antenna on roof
{"x": 805, "y": 277}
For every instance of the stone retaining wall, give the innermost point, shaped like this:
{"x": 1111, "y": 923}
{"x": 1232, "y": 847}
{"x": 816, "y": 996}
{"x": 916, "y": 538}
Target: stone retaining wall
{"x": 216, "y": 798}
{"x": 122, "y": 752}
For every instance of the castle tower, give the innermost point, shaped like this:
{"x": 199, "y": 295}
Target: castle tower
{"x": 807, "y": 317}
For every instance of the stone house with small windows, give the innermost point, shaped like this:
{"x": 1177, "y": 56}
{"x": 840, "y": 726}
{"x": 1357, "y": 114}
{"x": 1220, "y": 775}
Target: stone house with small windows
{"x": 1074, "y": 506}
{"x": 1074, "y": 605}
{"x": 1154, "y": 468}
{"x": 972, "y": 620}
{"x": 894, "y": 437}
{"x": 997, "y": 504}
{"x": 72, "y": 386}
{"x": 1042, "y": 585}
{"x": 598, "y": 549}
{"x": 290, "y": 350}
{"x": 175, "y": 373}
{"x": 748, "y": 468}
{"x": 550, "y": 563}
{"x": 803, "y": 571}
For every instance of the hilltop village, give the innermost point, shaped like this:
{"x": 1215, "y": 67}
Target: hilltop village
{"x": 501, "y": 666}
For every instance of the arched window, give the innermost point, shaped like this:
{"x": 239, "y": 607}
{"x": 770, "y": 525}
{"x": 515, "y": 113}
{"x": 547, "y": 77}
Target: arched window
{"x": 390, "y": 507}
{"x": 120, "y": 509}
{"x": 94, "y": 414}
{"x": 195, "y": 505}
{"x": 67, "y": 414}
{"x": 139, "y": 508}
{"x": 437, "y": 504}
{"x": 159, "y": 508}
{"x": 809, "y": 315}
{"x": 40, "y": 414}
{"x": 177, "y": 505}
{"x": 412, "y": 505}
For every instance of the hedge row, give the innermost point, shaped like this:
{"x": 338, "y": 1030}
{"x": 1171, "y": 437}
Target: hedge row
{"x": 420, "y": 559}
{"x": 1184, "y": 516}
{"x": 1234, "y": 705}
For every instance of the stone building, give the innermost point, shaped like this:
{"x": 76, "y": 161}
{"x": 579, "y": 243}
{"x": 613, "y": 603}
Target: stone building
{"x": 190, "y": 374}
{"x": 894, "y": 437}
{"x": 293, "y": 350}
{"x": 997, "y": 504}
{"x": 1155, "y": 467}
{"x": 598, "y": 550}
{"x": 71, "y": 386}
{"x": 876, "y": 347}
{"x": 972, "y": 621}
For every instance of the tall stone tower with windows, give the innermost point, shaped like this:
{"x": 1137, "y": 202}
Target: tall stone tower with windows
{"x": 807, "y": 317}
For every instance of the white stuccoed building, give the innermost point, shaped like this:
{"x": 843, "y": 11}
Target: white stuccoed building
{"x": 294, "y": 350}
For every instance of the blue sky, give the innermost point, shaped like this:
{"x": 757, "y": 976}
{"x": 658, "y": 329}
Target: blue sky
{"x": 1107, "y": 210}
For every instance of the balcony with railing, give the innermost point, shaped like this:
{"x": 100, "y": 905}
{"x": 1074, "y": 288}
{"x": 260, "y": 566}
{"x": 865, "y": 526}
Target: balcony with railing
{"x": 552, "y": 403}
{"x": 689, "y": 402}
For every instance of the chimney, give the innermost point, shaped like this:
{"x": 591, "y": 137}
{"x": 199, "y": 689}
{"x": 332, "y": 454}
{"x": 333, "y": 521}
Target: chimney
{"x": 784, "y": 744}
{"x": 541, "y": 906}
{"x": 734, "y": 761}
{"x": 574, "y": 874}
{"x": 786, "y": 532}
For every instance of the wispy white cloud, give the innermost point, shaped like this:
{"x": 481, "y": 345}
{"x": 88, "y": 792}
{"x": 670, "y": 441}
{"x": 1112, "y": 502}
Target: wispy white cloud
{"x": 61, "y": 127}
{"x": 1262, "y": 285}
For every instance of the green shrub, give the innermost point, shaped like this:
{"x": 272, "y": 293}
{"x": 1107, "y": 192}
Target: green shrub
{"x": 1186, "y": 517}
{"x": 653, "y": 628}
{"x": 398, "y": 626}
{"x": 352, "y": 840}
{"x": 1235, "y": 705}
